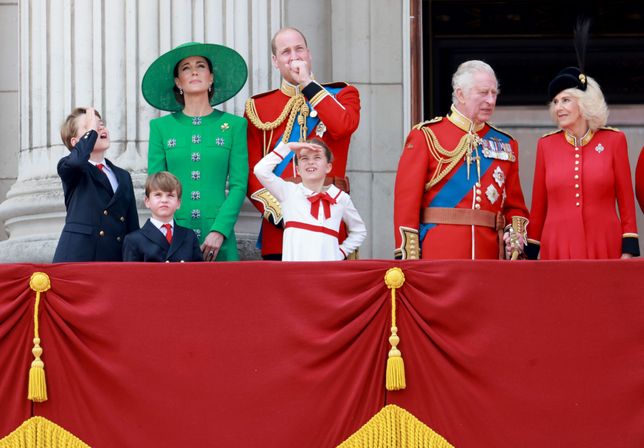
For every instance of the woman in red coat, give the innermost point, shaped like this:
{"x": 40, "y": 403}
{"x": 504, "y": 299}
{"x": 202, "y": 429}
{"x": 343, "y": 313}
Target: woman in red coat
{"x": 639, "y": 179}
{"x": 581, "y": 170}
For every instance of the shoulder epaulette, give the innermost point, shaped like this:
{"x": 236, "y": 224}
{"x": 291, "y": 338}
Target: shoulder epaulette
{"x": 336, "y": 84}
{"x": 501, "y": 131}
{"x": 425, "y": 123}
{"x": 556, "y": 131}
{"x": 608, "y": 128}
{"x": 263, "y": 94}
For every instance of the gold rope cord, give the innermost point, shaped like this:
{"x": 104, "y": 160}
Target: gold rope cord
{"x": 446, "y": 156}
{"x": 395, "y": 373}
{"x": 37, "y": 390}
{"x": 394, "y": 427}
{"x": 295, "y": 105}
{"x": 38, "y": 432}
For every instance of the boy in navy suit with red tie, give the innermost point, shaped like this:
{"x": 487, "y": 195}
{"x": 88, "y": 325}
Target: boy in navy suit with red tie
{"x": 99, "y": 196}
{"x": 161, "y": 238}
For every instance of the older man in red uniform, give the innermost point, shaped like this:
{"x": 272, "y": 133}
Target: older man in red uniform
{"x": 457, "y": 186}
{"x": 299, "y": 110}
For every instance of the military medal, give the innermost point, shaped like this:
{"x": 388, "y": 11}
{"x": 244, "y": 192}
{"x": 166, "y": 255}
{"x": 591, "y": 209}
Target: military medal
{"x": 320, "y": 129}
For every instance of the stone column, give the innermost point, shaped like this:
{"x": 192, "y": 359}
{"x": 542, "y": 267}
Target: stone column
{"x": 95, "y": 53}
{"x": 369, "y": 54}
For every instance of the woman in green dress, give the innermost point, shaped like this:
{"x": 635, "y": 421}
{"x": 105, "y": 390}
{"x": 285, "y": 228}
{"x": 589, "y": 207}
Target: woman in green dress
{"x": 202, "y": 146}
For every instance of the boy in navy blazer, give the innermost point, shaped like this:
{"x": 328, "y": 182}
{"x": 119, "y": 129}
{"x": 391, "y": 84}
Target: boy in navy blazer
{"x": 99, "y": 196}
{"x": 161, "y": 238}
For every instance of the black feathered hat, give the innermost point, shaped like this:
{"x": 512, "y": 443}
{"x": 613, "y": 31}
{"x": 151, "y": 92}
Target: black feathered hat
{"x": 568, "y": 78}
{"x": 573, "y": 77}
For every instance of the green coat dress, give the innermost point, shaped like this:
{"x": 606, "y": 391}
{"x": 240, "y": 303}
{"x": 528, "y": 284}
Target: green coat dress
{"x": 204, "y": 153}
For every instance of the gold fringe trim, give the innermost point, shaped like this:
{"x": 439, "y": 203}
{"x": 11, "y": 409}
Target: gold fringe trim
{"x": 37, "y": 392}
{"x": 38, "y": 432}
{"x": 395, "y": 377}
{"x": 394, "y": 427}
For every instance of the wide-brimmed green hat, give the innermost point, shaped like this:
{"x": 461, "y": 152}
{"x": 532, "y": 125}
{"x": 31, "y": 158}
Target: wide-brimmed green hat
{"x": 228, "y": 67}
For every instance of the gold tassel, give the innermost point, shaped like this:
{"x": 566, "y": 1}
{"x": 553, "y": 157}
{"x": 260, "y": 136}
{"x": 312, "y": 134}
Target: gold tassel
{"x": 37, "y": 382}
{"x": 395, "y": 377}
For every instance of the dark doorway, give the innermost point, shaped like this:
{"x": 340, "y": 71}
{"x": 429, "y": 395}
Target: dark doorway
{"x": 528, "y": 42}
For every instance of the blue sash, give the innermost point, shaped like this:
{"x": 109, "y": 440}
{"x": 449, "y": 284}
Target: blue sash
{"x": 457, "y": 187}
{"x": 311, "y": 123}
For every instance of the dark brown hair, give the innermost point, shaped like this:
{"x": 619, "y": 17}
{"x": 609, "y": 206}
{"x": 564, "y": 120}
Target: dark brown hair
{"x": 164, "y": 181}
{"x": 177, "y": 93}
{"x": 319, "y": 142}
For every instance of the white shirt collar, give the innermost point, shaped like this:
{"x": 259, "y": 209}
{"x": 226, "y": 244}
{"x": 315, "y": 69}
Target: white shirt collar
{"x": 158, "y": 223}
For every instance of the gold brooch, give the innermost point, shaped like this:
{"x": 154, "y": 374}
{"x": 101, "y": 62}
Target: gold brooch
{"x": 224, "y": 127}
{"x": 582, "y": 78}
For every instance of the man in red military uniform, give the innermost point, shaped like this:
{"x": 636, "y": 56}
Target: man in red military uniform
{"x": 457, "y": 187}
{"x": 299, "y": 110}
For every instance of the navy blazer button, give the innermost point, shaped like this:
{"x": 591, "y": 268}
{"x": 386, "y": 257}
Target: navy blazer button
{"x": 122, "y": 218}
{"x": 101, "y": 233}
{"x": 118, "y": 238}
{"x": 105, "y": 212}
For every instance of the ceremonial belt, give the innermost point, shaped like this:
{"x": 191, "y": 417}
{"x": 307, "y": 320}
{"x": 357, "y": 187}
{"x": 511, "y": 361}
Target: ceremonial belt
{"x": 341, "y": 182}
{"x": 467, "y": 217}
{"x": 312, "y": 228}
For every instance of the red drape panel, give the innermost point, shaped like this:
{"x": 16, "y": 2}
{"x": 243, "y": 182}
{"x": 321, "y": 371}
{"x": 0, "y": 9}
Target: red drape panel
{"x": 528, "y": 354}
{"x": 293, "y": 354}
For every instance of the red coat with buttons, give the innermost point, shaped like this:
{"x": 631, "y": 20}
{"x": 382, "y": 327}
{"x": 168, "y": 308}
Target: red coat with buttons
{"x": 573, "y": 212}
{"x": 639, "y": 180}
{"x": 499, "y": 191}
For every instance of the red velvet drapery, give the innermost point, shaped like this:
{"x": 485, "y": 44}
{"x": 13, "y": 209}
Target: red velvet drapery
{"x": 293, "y": 354}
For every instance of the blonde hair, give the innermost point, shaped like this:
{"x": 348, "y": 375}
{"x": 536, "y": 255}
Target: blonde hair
{"x": 592, "y": 105}
{"x": 164, "y": 181}
{"x": 70, "y": 127}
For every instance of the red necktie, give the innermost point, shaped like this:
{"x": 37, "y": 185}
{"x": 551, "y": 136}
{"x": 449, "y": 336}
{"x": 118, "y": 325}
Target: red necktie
{"x": 168, "y": 233}
{"x": 100, "y": 166}
{"x": 326, "y": 204}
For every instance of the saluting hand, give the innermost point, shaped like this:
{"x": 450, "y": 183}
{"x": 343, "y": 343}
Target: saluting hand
{"x": 297, "y": 147}
{"x": 91, "y": 120}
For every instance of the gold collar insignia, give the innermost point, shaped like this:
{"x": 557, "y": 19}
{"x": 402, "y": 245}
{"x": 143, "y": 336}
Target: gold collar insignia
{"x": 462, "y": 122}
{"x": 583, "y": 141}
{"x": 289, "y": 89}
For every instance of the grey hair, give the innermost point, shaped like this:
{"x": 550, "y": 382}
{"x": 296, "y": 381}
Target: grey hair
{"x": 592, "y": 104}
{"x": 464, "y": 74}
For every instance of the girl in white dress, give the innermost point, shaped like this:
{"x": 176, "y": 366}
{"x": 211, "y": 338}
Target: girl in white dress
{"x": 312, "y": 212}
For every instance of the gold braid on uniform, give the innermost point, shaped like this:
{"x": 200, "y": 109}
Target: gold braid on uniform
{"x": 446, "y": 156}
{"x": 297, "y": 104}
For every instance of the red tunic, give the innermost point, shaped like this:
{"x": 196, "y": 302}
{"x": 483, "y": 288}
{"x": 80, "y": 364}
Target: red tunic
{"x": 339, "y": 115}
{"x": 498, "y": 190}
{"x": 573, "y": 212}
{"x": 639, "y": 180}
